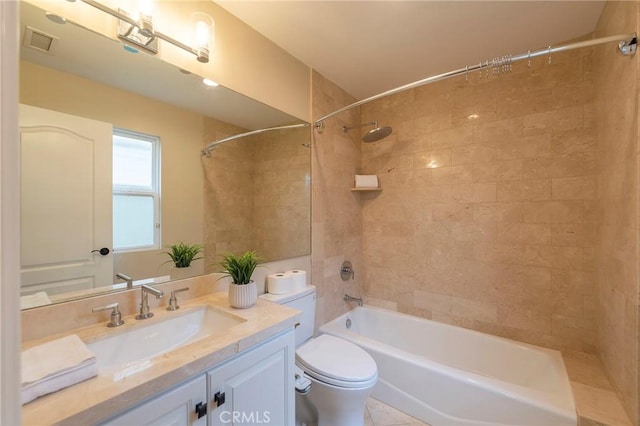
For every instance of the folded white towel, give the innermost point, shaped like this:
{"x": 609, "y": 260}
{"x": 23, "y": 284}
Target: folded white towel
{"x": 38, "y": 389}
{"x": 55, "y": 365}
{"x": 366, "y": 181}
{"x": 34, "y": 300}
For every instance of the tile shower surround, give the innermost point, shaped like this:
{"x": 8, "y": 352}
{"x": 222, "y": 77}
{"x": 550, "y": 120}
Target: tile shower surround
{"x": 509, "y": 204}
{"x": 488, "y": 221}
{"x": 336, "y": 228}
{"x": 616, "y": 81}
{"x": 245, "y": 183}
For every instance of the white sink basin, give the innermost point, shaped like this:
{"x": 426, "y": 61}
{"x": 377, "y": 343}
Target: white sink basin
{"x": 131, "y": 351}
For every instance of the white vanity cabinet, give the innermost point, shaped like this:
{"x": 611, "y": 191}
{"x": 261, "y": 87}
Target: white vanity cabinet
{"x": 176, "y": 407}
{"x": 254, "y": 387}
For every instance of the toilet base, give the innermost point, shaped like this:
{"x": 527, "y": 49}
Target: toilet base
{"x": 306, "y": 414}
{"x": 328, "y": 405}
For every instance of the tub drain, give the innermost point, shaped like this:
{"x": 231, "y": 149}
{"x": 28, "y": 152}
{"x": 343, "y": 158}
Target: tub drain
{"x": 348, "y": 323}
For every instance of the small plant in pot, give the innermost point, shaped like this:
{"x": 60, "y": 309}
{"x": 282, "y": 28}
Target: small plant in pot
{"x": 182, "y": 255}
{"x": 243, "y": 292}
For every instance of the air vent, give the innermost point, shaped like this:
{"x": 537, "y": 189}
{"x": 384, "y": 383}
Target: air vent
{"x": 39, "y": 40}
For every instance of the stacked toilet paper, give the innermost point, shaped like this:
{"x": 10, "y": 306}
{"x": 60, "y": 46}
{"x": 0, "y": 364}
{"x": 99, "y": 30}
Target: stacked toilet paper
{"x": 286, "y": 282}
{"x": 366, "y": 181}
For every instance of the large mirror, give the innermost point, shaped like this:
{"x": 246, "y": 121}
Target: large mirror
{"x": 81, "y": 196}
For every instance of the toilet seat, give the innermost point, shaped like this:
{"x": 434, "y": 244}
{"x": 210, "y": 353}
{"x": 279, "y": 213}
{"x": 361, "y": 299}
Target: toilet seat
{"x": 337, "y": 362}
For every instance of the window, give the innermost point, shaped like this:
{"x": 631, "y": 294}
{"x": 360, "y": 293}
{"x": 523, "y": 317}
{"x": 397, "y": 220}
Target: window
{"x": 136, "y": 191}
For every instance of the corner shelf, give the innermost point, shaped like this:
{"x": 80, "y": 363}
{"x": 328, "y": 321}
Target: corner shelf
{"x": 366, "y": 189}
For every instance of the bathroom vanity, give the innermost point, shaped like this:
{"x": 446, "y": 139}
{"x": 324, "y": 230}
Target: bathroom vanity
{"x": 241, "y": 374}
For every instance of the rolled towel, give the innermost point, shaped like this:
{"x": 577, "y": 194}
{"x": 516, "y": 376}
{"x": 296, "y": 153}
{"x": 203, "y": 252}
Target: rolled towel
{"x": 56, "y": 365}
{"x": 34, "y": 300}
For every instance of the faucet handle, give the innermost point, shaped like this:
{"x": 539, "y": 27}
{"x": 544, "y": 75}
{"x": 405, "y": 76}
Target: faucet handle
{"x": 116, "y": 316}
{"x": 173, "y": 301}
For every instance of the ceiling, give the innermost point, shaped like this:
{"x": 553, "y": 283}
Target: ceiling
{"x": 368, "y": 47}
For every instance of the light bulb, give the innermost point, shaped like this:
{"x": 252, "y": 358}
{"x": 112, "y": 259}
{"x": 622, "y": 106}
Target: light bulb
{"x": 144, "y": 17}
{"x": 204, "y": 35}
{"x": 145, "y": 7}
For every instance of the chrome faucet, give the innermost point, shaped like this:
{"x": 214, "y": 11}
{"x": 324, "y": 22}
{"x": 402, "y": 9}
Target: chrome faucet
{"x": 144, "y": 301}
{"x": 126, "y": 278}
{"x": 348, "y": 298}
{"x": 116, "y": 316}
{"x": 173, "y": 300}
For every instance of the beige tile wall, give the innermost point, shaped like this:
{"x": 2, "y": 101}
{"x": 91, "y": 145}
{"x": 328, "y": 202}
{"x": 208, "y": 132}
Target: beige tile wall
{"x": 616, "y": 79}
{"x": 228, "y": 194}
{"x": 336, "y": 210}
{"x": 257, "y": 194}
{"x": 488, "y": 221}
{"x": 282, "y": 193}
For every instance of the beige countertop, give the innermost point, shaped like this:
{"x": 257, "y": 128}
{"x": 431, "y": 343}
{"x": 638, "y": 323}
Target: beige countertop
{"x": 103, "y": 396}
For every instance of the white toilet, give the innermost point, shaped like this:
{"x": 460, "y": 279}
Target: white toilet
{"x": 340, "y": 374}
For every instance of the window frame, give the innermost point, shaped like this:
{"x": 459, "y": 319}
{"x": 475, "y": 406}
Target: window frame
{"x": 154, "y": 192}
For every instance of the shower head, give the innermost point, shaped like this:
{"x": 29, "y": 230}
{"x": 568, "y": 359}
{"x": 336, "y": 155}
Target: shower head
{"x": 374, "y": 135}
{"x": 377, "y": 134}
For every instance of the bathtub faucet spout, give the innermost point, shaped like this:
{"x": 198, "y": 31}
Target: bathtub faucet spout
{"x": 348, "y": 298}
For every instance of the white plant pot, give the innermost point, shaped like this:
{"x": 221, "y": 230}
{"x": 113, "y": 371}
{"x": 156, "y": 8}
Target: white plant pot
{"x": 243, "y": 296}
{"x": 181, "y": 273}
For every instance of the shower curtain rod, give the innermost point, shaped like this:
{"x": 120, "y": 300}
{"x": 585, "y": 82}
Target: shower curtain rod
{"x": 627, "y": 46}
{"x": 207, "y": 150}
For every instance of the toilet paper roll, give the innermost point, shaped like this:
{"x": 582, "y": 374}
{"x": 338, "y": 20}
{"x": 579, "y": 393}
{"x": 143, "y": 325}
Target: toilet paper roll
{"x": 366, "y": 181}
{"x": 279, "y": 283}
{"x": 299, "y": 278}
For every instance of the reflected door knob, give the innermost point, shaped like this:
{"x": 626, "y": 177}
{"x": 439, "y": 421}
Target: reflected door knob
{"x": 103, "y": 251}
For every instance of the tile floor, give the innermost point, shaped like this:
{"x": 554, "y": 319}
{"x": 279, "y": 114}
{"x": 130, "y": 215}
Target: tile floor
{"x": 379, "y": 414}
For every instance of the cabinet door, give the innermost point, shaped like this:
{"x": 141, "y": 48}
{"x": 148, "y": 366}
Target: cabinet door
{"x": 176, "y": 407}
{"x": 255, "y": 388}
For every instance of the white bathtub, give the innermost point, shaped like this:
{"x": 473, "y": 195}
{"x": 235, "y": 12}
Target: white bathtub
{"x": 447, "y": 375}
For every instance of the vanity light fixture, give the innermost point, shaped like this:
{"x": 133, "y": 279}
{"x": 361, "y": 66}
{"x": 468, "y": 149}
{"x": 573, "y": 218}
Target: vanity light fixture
{"x": 137, "y": 29}
{"x": 144, "y": 17}
{"x": 204, "y": 32}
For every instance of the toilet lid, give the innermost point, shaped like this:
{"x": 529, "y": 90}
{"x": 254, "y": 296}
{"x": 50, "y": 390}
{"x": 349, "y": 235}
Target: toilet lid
{"x": 330, "y": 357}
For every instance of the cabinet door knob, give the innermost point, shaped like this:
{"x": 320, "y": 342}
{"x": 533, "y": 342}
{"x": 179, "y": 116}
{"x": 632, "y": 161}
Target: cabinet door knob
{"x": 201, "y": 409}
{"x": 219, "y": 398}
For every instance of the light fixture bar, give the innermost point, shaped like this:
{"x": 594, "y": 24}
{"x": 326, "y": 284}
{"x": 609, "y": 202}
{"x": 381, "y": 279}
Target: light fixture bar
{"x": 156, "y": 34}
{"x": 163, "y": 36}
{"x": 111, "y": 12}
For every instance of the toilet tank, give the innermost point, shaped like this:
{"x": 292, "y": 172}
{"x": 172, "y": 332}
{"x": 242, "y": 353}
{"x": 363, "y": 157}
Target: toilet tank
{"x": 303, "y": 300}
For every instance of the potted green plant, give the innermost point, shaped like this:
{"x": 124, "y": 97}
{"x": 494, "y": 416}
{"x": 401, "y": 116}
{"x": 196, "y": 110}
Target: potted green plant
{"x": 243, "y": 291}
{"x": 182, "y": 255}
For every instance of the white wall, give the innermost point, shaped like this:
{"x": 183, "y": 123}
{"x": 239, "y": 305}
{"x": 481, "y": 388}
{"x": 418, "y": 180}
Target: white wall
{"x": 10, "y": 406}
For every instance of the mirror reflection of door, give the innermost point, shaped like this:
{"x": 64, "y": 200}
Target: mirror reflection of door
{"x": 65, "y": 161}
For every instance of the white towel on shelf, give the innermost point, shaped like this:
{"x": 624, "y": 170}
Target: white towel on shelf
{"x": 34, "y": 300}
{"x": 56, "y": 365}
{"x": 366, "y": 181}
